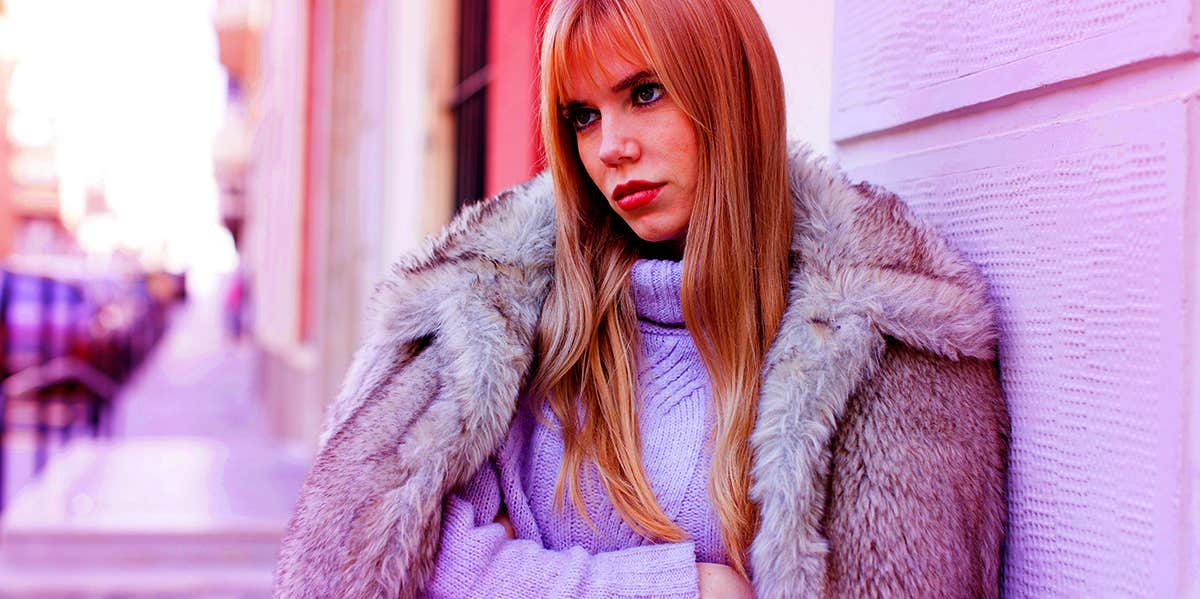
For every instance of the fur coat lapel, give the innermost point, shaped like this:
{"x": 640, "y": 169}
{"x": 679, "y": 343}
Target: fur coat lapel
{"x": 432, "y": 390}
{"x": 864, "y": 269}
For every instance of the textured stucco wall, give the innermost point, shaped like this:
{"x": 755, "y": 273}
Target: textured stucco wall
{"x": 1055, "y": 146}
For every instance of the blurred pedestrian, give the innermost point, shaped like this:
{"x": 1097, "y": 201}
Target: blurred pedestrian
{"x": 235, "y": 304}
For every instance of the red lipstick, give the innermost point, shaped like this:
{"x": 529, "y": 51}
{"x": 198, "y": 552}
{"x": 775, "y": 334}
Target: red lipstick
{"x": 632, "y": 195}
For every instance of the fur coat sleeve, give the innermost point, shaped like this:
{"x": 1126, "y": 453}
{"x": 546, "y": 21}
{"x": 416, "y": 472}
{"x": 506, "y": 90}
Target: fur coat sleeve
{"x": 427, "y": 398}
{"x": 880, "y": 443}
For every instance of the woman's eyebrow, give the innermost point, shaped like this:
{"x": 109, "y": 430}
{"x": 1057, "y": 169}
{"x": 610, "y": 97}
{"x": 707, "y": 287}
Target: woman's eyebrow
{"x": 621, "y": 86}
{"x": 632, "y": 80}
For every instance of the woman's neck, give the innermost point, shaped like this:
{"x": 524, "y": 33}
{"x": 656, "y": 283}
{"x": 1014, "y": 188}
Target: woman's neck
{"x": 663, "y": 250}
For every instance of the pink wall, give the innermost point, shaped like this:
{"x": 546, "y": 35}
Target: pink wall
{"x": 512, "y": 134}
{"x": 1056, "y": 148}
{"x": 901, "y": 62}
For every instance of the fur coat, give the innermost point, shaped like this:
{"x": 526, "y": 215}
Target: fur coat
{"x": 880, "y": 446}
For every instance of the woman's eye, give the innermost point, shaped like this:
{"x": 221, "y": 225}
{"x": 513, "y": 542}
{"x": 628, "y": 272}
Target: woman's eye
{"x": 647, "y": 93}
{"x": 581, "y": 118}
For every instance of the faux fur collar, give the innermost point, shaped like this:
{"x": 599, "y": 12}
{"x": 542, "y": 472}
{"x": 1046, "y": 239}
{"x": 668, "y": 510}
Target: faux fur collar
{"x": 864, "y": 269}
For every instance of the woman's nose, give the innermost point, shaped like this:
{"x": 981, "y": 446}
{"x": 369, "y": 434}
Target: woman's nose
{"x": 617, "y": 145}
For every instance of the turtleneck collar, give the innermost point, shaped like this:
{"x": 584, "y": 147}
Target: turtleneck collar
{"x": 656, "y": 291}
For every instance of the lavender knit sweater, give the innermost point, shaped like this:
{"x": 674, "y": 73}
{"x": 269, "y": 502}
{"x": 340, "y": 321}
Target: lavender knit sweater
{"x": 556, "y": 554}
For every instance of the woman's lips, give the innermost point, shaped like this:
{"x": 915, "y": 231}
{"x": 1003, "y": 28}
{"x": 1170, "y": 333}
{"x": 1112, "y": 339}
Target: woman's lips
{"x": 637, "y": 199}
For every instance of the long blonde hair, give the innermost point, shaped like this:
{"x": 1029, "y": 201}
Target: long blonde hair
{"x": 714, "y": 59}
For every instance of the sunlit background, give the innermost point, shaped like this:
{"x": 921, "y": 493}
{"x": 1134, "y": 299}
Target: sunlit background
{"x": 113, "y": 123}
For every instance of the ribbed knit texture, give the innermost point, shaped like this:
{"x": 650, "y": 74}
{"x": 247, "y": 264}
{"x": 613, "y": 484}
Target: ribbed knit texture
{"x": 556, "y": 554}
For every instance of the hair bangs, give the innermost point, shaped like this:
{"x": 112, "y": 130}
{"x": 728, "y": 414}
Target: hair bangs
{"x": 589, "y": 29}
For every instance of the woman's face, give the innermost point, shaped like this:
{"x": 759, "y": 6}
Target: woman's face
{"x": 636, "y": 144}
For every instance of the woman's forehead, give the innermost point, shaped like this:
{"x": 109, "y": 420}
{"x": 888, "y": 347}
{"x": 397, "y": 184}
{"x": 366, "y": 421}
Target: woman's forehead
{"x": 600, "y": 67}
{"x": 603, "y": 78}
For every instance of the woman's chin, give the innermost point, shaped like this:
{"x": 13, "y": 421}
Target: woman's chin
{"x": 652, "y": 232}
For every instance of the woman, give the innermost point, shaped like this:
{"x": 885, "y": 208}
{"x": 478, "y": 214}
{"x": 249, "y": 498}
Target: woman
{"x": 686, "y": 361}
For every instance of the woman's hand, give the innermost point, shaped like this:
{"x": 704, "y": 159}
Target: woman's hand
{"x": 502, "y": 518}
{"x": 722, "y": 582}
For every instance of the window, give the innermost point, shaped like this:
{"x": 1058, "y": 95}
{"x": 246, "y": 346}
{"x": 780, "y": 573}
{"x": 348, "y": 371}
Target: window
{"x": 470, "y": 103}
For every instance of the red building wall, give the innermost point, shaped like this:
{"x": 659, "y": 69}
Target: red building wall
{"x": 513, "y": 146}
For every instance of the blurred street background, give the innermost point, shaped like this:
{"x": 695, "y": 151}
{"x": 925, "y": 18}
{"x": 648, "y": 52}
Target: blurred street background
{"x": 197, "y": 198}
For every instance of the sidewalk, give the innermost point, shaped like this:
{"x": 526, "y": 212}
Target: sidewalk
{"x": 188, "y": 499}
